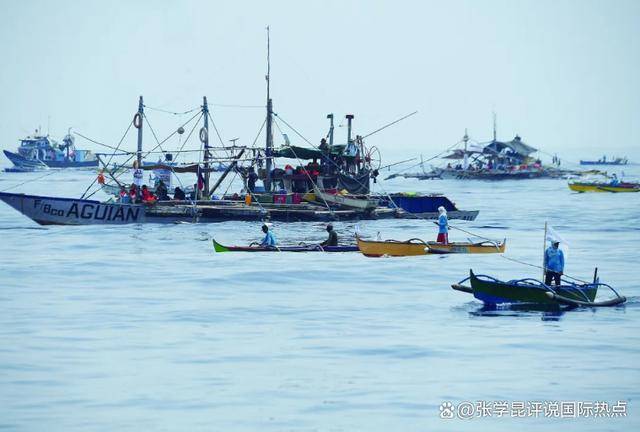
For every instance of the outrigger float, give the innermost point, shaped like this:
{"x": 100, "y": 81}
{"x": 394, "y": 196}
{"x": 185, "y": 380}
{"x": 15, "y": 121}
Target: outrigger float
{"x": 493, "y": 292}
{"x": 302, "y": 247}
{"x": 416, "y": 246}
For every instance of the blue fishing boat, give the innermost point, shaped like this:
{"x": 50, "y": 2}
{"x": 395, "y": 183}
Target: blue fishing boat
{"x": 42, "y": 152}
{"x": 604, "y": 161}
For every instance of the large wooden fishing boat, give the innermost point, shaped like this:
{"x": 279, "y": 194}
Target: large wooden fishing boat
{"x": 416, "y": 246}
{"x": 604, "y": 187}
{"x": 302, "y": 247}
{"x": 492, "y": 291}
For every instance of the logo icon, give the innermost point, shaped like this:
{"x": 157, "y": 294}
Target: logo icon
{"x": 446, "y": 410}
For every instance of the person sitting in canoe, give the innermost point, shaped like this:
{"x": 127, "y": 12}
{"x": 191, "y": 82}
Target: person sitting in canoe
{"x": 614, "y": 180}
{"x": 553, "y": 263}
{"x": 443, "y": 226}
{"x": 333, "y": 237}
{"x": 269, "y": 239}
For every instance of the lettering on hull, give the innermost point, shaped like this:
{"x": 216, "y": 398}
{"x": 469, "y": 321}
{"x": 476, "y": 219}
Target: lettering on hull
{"x": 84, "y": 212}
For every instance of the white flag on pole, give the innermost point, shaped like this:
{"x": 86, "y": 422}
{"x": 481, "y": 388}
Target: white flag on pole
{"x": 553, "y": 236}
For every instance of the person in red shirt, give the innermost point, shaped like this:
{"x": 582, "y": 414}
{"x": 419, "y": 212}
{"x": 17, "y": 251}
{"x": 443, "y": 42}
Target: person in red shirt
{"x": 147, "y": 195}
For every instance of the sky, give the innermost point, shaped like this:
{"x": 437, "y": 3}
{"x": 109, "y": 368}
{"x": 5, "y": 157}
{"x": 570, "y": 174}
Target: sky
{"x": 564, "y": 75}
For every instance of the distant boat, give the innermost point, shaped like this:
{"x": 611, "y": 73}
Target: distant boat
{"x": 42, "y": 152}
{"x": 604, "y": 161}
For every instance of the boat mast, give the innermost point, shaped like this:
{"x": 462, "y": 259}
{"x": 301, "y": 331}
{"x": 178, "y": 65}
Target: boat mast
{"x": 494, "y": 126}
{"x": 139, "y": 127}
{"x": 330, "y": 117}
{"x": 544, "y": 250}
{"x": 269, "y": 143}
{"x": 204, "y": 136}
{"x": 465, "y": 160}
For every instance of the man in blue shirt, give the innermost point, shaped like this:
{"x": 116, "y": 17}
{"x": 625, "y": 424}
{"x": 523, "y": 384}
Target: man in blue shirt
{"x": 269, "y": 239}
{"x": 553, "y": 263}
{"x": 443, "y": 226}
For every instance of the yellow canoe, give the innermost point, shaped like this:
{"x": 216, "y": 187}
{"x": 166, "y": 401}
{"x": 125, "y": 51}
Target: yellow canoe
{"x": 392, "y": 247}
{"x": 416, "y": 246}
{"x": 603, "y": 187}
{"x": 468, "y": 247}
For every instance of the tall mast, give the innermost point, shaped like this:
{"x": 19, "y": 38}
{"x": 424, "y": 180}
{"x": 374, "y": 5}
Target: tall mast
{"x": 204, "y": 136}
{"x": 494, "y": 125}
{"x": 330, "y": 116}
{"x": 139, "y": 126}
{"x": 269, "y": 143}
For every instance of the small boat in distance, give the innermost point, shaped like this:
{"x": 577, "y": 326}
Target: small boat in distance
{"x": 42, "y": 152}
{"x": 302, "y": 247}
{"x": 604, "y": 187}
{"x": 604, "y": 161}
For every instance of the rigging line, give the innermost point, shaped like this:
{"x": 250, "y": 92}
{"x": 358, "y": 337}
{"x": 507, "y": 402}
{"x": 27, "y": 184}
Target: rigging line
{"x": 171, "y": 112}
{"x": 93, "y": 141}
{"x": 390, "y": 124}
{"x": 237, "y": 106}
{"x": 541, "y": 268}
{"x": 32, "y": 180}
{"x": 430, "y": 159}
{"x": 152, "y": 131}
{"x": 176, "y": 131}
{"x": 108, "y": 162}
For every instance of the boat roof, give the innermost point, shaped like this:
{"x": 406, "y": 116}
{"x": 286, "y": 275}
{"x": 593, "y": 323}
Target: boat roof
{"x": 516, "y": 145}
{"x": 304, "y": 153}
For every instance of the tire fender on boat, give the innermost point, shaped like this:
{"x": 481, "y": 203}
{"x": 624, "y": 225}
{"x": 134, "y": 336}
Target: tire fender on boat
{"x": 137, "y": 121}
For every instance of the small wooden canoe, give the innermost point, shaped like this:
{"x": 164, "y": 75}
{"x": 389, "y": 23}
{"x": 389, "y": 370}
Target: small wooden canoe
{"x": 396, "y": 248}
{"x": 493, "y": 292}
{"x": 468, "y": 247}
{"x": 604, "y": 187}
{"x": 416, "y": 246}
{"x": 299, "y": 248}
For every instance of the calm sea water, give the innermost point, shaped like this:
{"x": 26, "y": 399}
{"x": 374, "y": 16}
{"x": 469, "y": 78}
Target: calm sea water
{"x": 146, "y": 328}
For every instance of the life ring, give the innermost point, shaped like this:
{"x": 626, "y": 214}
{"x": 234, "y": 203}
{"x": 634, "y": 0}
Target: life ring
{"x": 204, "y": 135}
{"x": 137, "y": 121}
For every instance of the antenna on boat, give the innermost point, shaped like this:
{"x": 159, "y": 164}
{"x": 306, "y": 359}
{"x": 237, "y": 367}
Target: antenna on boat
{"x": 204, "y": 137}
{"x": 494, "y": 126}
{"x": 349, "y": 118}
{"x": 269, "y": 121}
{"x": 137, "y": 122}
{"x": 330, "y": 117}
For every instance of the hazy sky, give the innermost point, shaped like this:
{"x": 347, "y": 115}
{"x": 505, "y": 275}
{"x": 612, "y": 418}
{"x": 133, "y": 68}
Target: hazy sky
{"x": 565, "y": 75}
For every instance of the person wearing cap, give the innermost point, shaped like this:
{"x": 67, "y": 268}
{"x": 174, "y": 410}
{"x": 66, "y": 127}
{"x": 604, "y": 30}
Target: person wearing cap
{"x": 269, "y": 239}
{"x": 553, "y": 263}
{"x": 333, "y": 237}
{"x": 443, "y": 226}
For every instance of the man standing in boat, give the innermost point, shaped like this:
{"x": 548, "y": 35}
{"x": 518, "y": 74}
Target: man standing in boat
{"x": 553, "y": 263}
{"x": 443, "y": 226}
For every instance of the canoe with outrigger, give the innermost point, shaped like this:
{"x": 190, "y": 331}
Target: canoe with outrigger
{"x": 529, "y": 291}
{"x": 416, "y": 246}
{"x": 301, "y": 247}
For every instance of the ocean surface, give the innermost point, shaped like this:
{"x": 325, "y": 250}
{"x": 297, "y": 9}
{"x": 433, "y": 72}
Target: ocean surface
{"x": 144, "y": 327}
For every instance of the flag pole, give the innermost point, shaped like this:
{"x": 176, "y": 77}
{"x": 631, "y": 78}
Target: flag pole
{"x": 544, "y": 250}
